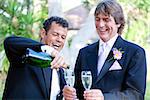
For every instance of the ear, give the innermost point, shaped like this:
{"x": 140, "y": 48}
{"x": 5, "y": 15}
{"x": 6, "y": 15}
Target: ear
{"x": 42, "y": 33}
{"x": 118, "y": 25}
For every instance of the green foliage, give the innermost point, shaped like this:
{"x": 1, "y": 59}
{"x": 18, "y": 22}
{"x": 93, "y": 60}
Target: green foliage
{"x": 137, "y": 21}
{"x": 147, "y": 96}
{"x": 17, "y": 18}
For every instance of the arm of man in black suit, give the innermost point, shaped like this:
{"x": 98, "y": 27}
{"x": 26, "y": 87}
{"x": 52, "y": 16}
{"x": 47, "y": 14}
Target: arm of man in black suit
{"x": 15, "y": 47}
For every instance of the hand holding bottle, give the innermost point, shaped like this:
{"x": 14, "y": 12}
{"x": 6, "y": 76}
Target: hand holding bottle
{"x": 58, "y": 60}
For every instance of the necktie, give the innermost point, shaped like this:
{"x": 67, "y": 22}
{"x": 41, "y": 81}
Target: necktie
{"x": 101, "y": 57}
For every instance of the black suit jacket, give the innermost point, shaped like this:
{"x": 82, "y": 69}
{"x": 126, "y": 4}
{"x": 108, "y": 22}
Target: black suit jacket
{"x": 128, "y": 83}
{"x": 23, "y": 80}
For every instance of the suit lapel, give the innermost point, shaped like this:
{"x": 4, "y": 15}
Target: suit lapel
{"x": 108, "y": 63}
{"x": 48, "y": 76}
{"x": 61, "y": 78}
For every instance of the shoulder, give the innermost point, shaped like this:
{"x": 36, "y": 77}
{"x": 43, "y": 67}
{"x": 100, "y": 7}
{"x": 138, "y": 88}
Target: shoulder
{"x": 132, "y": 47}
{"x": 9, "y": 40}
{"x": 90, "y": 47}
{"x": 18, "y": 39}
{"x": 13, "y": 37}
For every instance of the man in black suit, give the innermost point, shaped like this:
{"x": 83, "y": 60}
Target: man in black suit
{"x": 25, "y": 81}
{"x": 118, "y": 67}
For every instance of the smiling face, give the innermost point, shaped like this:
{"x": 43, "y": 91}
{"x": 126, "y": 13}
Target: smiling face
{"x": 55, "y": 36}
{"x": 106, "y": 26}
{"x": 109, "y": 19}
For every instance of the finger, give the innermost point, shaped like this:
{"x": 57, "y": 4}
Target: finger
{"x": 68, "y": 98}
{"x": 56, "y": 63}
{"x": 66, "y": 66}
{"x": 93, "y": 94}
{"x": 90, "y": 93}
{"x": 93, "y": 98}
{"x": 69, "y": 92}
{"x": 54, "y": 53}
{"x": 59, "y": 62}
{"x": 55, "y": 60}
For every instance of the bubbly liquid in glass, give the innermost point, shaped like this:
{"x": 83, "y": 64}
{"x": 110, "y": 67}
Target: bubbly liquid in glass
{"x": 87, "y": 81}
{"x": 70, "y": 78}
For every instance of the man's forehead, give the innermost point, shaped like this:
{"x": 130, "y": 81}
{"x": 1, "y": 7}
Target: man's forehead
{"x": 60, "y": 31}
{"x": 103, "y": 15}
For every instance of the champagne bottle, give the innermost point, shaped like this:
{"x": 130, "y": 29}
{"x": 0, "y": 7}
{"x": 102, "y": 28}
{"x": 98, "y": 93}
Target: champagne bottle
{"x": 40, "y": 59}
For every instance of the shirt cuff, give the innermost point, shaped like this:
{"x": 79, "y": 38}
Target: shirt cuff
{"x": 47, "y": 49}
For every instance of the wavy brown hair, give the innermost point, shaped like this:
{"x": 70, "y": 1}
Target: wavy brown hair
{"x": 111, "y": 7}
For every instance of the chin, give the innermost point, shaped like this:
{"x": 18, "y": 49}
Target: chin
{"x": 105, "y": 39}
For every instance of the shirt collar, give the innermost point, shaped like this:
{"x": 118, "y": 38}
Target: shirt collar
{"x": 109, "y": 43}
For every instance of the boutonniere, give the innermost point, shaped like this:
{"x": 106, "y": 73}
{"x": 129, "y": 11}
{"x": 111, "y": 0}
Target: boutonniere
{"x": 117, "y": 54}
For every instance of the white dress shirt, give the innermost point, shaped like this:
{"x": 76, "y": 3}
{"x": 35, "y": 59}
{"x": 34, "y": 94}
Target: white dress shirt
{"x": 104, "y": 49}
{"x": 55, "y": 88}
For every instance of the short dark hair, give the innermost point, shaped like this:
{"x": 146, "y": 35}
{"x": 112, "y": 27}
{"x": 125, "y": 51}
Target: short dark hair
{"x": 61, "y": 21}
{"x": 111, "y": 7}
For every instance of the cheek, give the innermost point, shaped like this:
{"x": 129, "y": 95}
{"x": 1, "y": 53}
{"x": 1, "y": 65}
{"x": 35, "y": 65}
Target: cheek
{"x": 49, "y": 41}
{"x": 62, "y": 43}
{"x": 110, "y": 27}
{"x": 96, "y": 24}
{"x": 113, "y": 29}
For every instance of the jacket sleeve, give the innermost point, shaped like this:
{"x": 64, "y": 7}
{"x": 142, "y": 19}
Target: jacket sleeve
{"x": 62, "y": 84}
{"x": 135, "y": 80}
{"x": 15, "y": 48}
{"x": 78, "y": 82}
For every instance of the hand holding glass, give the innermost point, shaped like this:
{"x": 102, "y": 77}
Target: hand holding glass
{"x": 86, "y": 79}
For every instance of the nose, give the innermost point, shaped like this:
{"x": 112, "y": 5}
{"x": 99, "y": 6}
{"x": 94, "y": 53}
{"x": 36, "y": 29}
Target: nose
{"x": 101, "y": 23}
{"x": 59, "y": 38}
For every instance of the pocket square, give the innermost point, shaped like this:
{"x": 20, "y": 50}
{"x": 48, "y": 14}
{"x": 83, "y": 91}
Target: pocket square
{"x": 115, "y": 66}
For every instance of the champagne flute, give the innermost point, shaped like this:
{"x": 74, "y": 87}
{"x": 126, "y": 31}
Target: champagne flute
{"x": 86, "y": 79}
{"x": 69, "y": 77}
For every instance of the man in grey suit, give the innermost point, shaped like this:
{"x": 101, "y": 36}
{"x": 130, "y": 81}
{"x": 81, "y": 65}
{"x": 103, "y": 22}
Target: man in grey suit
{"x": 118, "y": 67}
